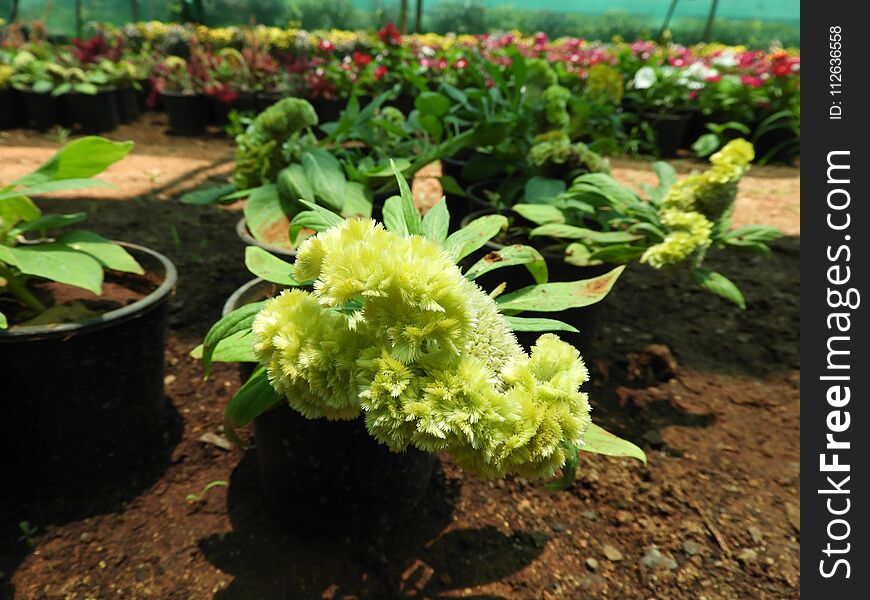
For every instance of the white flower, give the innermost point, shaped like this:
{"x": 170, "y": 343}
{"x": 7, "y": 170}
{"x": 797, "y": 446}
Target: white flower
{"x": 727, "y": 59}
{"x": 644, "y": 78}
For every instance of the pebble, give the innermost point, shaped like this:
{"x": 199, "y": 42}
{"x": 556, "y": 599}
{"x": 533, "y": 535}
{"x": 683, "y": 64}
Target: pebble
{"x": 691, "y": 548}
{"x": 86, "y": 536}
{"x": 654, "y": 559}
{"x": 590, "y": 514}
{"x": 747, "y": 555}
{"x": 654, "y": 438}
{"x": 592, "y": 564}
{"x": 623, "y": 516}
{"x": 612, "y": 553}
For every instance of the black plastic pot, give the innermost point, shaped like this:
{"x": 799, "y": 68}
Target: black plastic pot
{"x": 127, "y": 104}
{"x": 266, "y": 99}
{"x": 328, "y": 110}
{"x": 245, "y": 234}
{"x": 84, "y": 401}
{"x": 143, "y": 93}
{"x": 12, "y": 113}
{"x": 330, "y": 476}
{"x": 220, "y": 111}
{"x": 188, "y": 114}
{"x": 94, "y": 113}
{"x": 670, "y": 132}
{"x": 586, "y": 319}
{"x": 43, "y": 110}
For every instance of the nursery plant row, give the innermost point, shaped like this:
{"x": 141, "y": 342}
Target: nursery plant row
{"x": 394, "y": 330}
{"x": 638, "y": 97}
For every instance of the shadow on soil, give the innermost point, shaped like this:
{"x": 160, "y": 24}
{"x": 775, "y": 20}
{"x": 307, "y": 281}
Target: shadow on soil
{"x": 268, "y": 561}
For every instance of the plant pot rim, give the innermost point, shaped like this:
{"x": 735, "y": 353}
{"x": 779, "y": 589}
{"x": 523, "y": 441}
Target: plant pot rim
{"x": 232, "y": 302}
{"x": 243, "y": 232}
{"x": 113, "y": 317}
{"x": 182, "y": 94}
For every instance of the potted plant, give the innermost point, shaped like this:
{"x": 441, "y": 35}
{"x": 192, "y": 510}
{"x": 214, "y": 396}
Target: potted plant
{"x": 390, "y": 348}
{"x": 71, "y": 303}
{"x": 180, "y": 86}
{"x": 11, "y": 110}
{"x": 38, "y": 80}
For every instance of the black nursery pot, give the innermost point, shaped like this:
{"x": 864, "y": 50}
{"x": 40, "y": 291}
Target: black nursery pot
{"x": 188, "y": 114}
{"x": 328, "y": 110}
{"x": 94, "y": 113}
{"x": 127, "y": 104}
{"x": 266, "y": 99}
{"x": 330, "y": 476}
{"x": 11, "y": 109}
{"x": 84, "y": 401}
{"x": 43, "y": 110}
{"x": 244, "y": 234}
{"x": 670, "y": 132}
{"x": 586, "y": 319}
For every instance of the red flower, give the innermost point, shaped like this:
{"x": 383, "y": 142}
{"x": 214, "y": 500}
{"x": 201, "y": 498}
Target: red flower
{"x": 91, "y": 50}
{"x": 388, "y": 34}
{"x": 713, "y": 78}
{"x": 222, "y": 92}
{"x": 751, "y": 81}
{"x": 360, "y": 59}
{"x": 380, "y": 72}
{"x": 460, "y": 63}
{"x": 326, "y": 46}
{"x": 781, "y": 68}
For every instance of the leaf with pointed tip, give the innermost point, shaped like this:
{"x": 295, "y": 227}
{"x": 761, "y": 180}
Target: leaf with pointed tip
{"x": 79, "y": 159}
{"x": 474, "y": 235}
{"x": 253, "y": 399}
{"x": 719, "y": 285}
{"x": 239, "y": 347}
{"x": 552, "y": 297}
{"x": 509, "y": 256}
{"x": 538, "y": 324}
{"x": 108, "y": 253}
{"x": 436, "y": 222}
{"x": 59, "y": 262}
{"x": 394, "y": 216}
{"x": 240, "y": 319}
{"x": 412, "y": 216}
{"x": 600, "y": 441}
{"x": 268, "y": 266}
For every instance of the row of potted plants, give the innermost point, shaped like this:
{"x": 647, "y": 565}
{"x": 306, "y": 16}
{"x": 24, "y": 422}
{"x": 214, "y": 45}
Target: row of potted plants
{"x": 638, "y": 97}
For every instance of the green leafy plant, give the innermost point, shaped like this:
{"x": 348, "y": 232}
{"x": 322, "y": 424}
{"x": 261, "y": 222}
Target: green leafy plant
{"x": 599, "y": 221}
{"x": 77, "y": 258}
{"x": 720, "y": 134}
{"x": 381, "y": 324}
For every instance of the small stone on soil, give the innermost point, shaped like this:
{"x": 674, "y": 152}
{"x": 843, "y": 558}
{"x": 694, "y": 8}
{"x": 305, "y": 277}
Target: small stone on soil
{"x": 612, "y": 553}
{"x": 691, "y": 548}
{"x": 592, "y": 564}
{"x": 653, "y": 559}
{"x": 589, "y": 514}
{"x": 747, "y": 555}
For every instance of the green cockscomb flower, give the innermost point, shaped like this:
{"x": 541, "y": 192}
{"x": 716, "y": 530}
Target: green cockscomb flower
{"x": 394, "y": 332}
{"x": 684, "y": 246}
{"x": 558, "y": 157}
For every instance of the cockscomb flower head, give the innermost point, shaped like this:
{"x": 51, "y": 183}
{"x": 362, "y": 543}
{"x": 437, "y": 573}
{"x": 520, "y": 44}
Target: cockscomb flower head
{"x": 687, "y": 240}
{"x": 393, "y": 332}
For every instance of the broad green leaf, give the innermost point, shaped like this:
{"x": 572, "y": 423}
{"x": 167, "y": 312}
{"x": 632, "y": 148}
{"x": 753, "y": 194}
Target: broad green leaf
{"x": 48, "y": 222}
{"x": 600, "y": 441}
{"x": 108, "y": 253}
{"x": 357, "y": 200}
{"x": 326, "y": 176}
{"x": 317, "y": 219}
{"x": 240, "y": 319}
{"x": 540, "y": 214}
{"x": 605, "y": 186}
{"x": 79, "y": 159}
{"x": 542, "y": 190}
{"x": 253, "y": 399}
{"x": 436, "y": 222}
{"x": 618, "y": 255}
{"x": 207, "y": 195}
{"x": 719, "y": 285}
{"x": 706, "y": 145}
{"x": 552, "y": 297}
{"x": 509, "y": 256}
{"x": 451, "y": 187}
{"x": 432, "y": 125}
{"x": 294, "y": 185}
{"x": 268, "y": 266}
{"x": 570, "y": 232}
{"x": 579, "y": 255}
{"x": 55, "y": 186}
{"x": 432, "y": 103}
{"x": 538, "y": 324}
{"x": 13, "y": 210}
{"x": 474, "y": 235}
{"x": 412, "y": 216}
{"x": 394, "y": 217}
{"x": 60, "y": 263}
{"x": 3, "y": 322}
{"x": 267, "y": 218}
{"x": 239, "y": 347}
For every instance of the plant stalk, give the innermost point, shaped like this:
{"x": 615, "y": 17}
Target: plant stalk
{"x": 19, "y": 290}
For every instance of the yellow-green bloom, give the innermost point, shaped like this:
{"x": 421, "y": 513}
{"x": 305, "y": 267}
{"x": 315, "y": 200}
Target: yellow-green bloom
{"x": 687, "y": 240}
{"x": 394, "y": 332}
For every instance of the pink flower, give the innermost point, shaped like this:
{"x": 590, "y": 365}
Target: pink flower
{"x": 489, "y": 83}
{"x": 713, "y": 78}
{"x": 751, "y": 81}
{"x": 460, "y": 63}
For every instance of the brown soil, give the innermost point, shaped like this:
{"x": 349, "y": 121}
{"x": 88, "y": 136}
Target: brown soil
{"x": 710, "y": 391}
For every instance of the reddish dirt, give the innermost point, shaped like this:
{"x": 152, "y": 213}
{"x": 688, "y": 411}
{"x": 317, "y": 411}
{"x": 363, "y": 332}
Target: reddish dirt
{"x": 711, "y": 392}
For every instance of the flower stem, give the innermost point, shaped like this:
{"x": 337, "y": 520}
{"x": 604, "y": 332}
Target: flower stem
{"x": 19, "y": 290}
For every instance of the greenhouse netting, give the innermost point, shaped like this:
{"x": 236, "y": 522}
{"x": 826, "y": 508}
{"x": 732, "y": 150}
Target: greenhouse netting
{"x": 756, "y": 23}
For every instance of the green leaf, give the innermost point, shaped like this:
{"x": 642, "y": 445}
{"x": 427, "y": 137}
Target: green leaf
{"x": 3, "y": 322}
{"x": 268, "y": 266}
{"x": 13, "y": 210}
{"x": 570, "y": 232}
{"x": 719, "y": 285}
{"x": 253, "y": 399}
{"x": 541, "y": 214}
{"x": 79, "y": 159}
{"x": 508, "y": 256}
{"x": 357, "y": 200}
{"x": 552, "y": 297}
{"x": 538, "y": 324}
{"x": 605, "y": 186}
{"x": 436, "y": 222}
{"x": 207, "y": 195}
{"x": 412, "y": 216}
{"x": 569, "y": 469}
{"x": 432, "y": 125}
{"x": 474, "y": 235}
{"x": 240, "y": 319}
{"x": 48, "y": 222}
{"x": 293, "y": 184}
{"x": 706, "y": 145}
{"x": 267, "y": 218}
{"x": 317, "y": 219}
{"x": 451, "y": 187}
{"x": 239, "y": 347}
{"x": 55, "y": 186}
{"x": 600, "y": 441}
{"x": 60, "y": 263}
{"x": 108, "y": 253}
{"x": 617, "y": 255}
{"x": 542, "y": 190}
{"x": 432, "y": 103}
{"x": 394, "y": 217}
{"x": 326, "y": 176}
